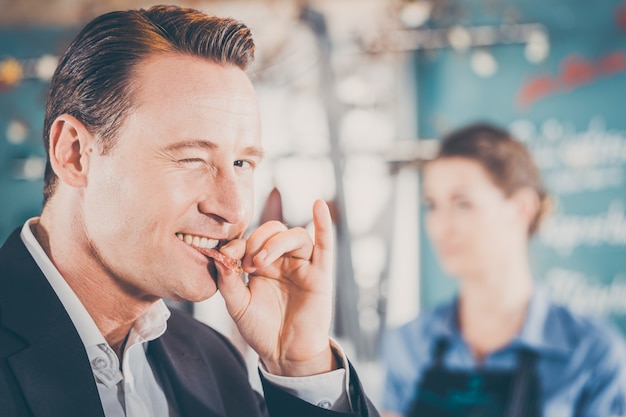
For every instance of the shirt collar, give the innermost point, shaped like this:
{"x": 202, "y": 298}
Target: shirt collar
{"x": 542, "y": 329}
{"x": 148, "y": 327}
{"x": 445, "y": 322}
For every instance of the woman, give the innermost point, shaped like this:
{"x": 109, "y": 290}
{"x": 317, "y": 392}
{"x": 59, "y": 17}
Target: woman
{"x": 502, "y": 348}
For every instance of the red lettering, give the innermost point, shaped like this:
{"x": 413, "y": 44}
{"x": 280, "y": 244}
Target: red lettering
{"x": 577, "y": 71}
{"x": 612, "y": 63}
{"x": 536, "y": 89}
{"x": 620, "y": 16}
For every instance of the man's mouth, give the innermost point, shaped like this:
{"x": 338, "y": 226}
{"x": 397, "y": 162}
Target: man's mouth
{"x": 208, "y": 247}
{"x": 198, "y": 241}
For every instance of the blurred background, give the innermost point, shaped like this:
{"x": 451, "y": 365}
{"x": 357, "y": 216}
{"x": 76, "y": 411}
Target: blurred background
{"x": 354, "y": 94}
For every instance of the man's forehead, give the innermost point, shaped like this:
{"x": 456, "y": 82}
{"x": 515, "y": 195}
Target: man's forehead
{"x": 171, "y": 73}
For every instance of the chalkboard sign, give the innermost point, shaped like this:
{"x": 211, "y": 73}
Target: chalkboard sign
{"x": 569, "y": 110}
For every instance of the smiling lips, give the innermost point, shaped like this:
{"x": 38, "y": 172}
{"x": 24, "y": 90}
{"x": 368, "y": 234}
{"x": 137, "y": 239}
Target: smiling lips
{"x": 207, "y": 247}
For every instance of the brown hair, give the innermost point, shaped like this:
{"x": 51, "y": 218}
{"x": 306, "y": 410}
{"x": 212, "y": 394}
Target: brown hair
{"x": 506, "y": 160}
{"x": 94, "y": 79}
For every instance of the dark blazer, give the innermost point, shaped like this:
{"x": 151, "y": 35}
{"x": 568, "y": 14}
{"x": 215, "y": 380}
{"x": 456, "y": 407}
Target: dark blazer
{"x": 45, "y": 371}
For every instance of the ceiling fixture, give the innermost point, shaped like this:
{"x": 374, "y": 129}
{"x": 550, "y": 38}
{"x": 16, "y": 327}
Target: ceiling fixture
{"x": 483, "y": 63}
{"x": 415, "y": 13}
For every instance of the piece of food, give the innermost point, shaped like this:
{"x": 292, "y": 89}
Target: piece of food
{"x": 232, "y": 264}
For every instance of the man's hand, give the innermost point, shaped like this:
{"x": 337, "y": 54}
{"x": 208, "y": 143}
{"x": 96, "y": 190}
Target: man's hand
{"x": 285, "y": 311}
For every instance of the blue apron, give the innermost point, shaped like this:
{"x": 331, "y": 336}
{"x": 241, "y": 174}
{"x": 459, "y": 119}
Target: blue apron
{"x": 478, "y": 393}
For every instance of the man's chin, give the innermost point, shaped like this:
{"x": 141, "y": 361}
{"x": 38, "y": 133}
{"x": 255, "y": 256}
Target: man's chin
{"x": 198, "y": 288}
{"x": 198, "y": 296}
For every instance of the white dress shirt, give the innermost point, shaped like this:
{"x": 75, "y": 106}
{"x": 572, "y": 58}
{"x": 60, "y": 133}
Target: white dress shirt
{"x": 134, "y": 391}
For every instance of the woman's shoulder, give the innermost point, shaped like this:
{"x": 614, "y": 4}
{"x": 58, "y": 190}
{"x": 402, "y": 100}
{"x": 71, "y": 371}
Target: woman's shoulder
{"x": 595, "y": 335}
{"x": 429, "y": 323}
{"x": 580, "y": 324}
{"x": 406, "y": 348}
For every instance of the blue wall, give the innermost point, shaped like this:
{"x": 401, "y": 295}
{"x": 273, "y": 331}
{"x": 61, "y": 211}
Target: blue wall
{"x": 25, "y": 102}
{"x": 576, "y": 127}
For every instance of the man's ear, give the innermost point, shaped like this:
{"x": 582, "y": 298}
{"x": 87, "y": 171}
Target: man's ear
{"x": 71, "y": 147}
{"x": 528, "y": 204}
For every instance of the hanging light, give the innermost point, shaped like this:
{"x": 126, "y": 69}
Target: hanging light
{"x": 459, "y": 38}
{"x": 45, "y": 67}
{"x": 415, "y": 13}
{"x": 537, "y": 48}
{"x": 31, "y": 168}
{"x": 11, "y": 72}
{"x": 17, "y": 132}
{"x": 484, "y": 63}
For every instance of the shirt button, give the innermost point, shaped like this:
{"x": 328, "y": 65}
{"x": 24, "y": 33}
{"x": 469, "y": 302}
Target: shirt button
{"x": 99, "y": 363}
{"x": 324, "y": 404}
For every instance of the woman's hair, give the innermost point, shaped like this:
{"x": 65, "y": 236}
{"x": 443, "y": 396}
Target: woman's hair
{"x": 94, "y": 81}
{"x": 508, "y": 162}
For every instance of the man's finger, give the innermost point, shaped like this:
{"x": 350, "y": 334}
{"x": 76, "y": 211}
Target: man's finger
{"x": 323, "y": 250}
{"x": 235, "y": 292}
{"x": 295, "y": 243}
{"x": 257, "y": 240}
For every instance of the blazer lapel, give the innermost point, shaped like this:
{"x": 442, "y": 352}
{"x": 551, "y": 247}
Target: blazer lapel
{"x": 193, "y": 384}
{"x": 55, "y": 376}
{"x": 52, "y": 369}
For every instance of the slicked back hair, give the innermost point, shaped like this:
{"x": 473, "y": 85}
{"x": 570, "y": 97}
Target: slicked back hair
{"x": 94, "y": 79}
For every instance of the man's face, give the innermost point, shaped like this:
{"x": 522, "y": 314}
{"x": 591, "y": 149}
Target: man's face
{"x": 182, "y": 167}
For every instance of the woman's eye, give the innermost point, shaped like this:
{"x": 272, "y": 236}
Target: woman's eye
{"x": 428, "y": 206}
{"x": 462, "y": 204}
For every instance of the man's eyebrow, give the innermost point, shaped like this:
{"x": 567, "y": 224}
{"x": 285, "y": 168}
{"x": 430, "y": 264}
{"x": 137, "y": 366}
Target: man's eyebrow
{"x": 193, "y": 143}
{"x": 254, "y": 151}
{"x": 205, "y": 144}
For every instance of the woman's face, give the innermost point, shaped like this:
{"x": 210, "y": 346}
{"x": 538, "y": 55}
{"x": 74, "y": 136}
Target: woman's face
{"x": 470, "y": 222}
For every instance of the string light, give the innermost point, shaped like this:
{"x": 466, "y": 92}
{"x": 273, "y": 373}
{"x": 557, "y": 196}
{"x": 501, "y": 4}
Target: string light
{"x": 483, "y": 63}
{"x": 414, "y": 14}
{"x": 14, "y": 71}
{"x": 537, "y": 48}
{"x": 10, "y": 72}
{"x": 459, "y": 38}
{"x": 45, "y": 67}
{"x": 17, "y": 132}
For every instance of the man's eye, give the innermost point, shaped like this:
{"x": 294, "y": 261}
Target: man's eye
{"x": 242, "y": 164}
{"x": 191, "y": 161}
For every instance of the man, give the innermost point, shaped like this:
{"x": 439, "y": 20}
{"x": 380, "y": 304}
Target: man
{"x": 152, "y": 134}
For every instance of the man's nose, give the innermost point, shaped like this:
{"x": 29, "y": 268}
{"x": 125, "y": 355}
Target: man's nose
{"x": 225, "y": 198}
